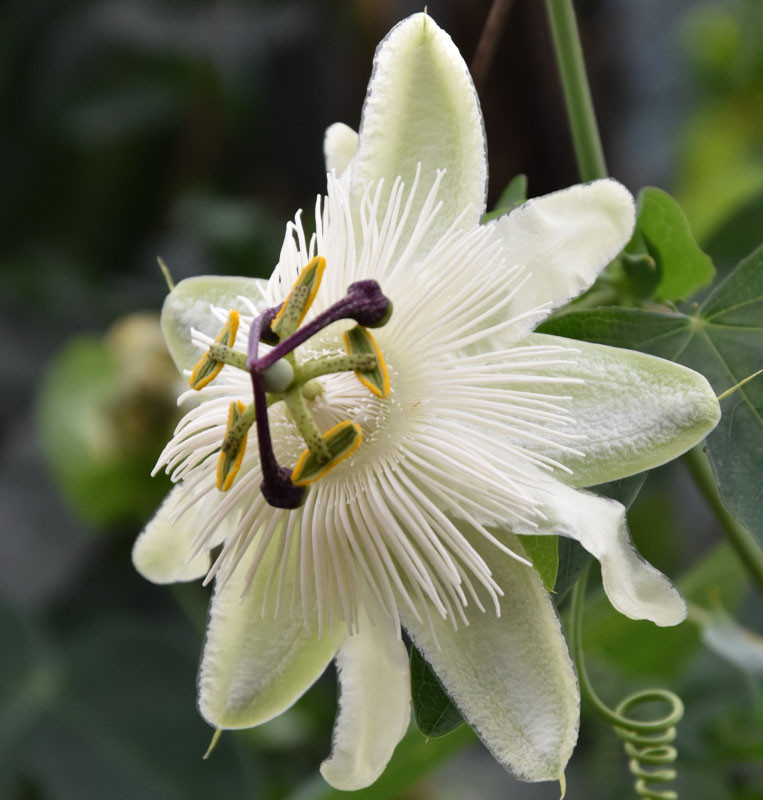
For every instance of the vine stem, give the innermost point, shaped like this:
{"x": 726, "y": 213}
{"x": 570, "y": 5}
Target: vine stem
{"x": 739, "y": 537}
{"x": 577, "y": 93}
{"x": 576, "y": 645}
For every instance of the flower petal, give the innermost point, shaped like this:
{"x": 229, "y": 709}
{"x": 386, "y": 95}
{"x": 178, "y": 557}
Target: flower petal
{"x": 374, "y": 706}
{"x": 188, "y": 305}
{"x": 634, "y": 587}
{"x": 257, "y": 662}
{"x": 510, "y": 676}
{"x": 634, "y": 411}
{"x": 339, "y": 146}
{"x": 422, "y": 107}
{"x": 565, "y": 239}
{"x": 162, "y": 551}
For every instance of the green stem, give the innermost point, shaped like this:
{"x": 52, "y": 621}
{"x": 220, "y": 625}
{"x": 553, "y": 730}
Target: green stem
{"x": 623, "y": 724}
{"x": 576, "y": 646}
{"x": 739, "y": 537}
{"x": 577, "y": 94}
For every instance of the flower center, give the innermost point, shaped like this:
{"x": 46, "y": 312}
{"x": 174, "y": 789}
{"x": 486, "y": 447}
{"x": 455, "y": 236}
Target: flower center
{"x": 278, "y": 376}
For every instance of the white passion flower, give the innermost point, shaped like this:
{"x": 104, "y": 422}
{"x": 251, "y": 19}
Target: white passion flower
{"x": 378, "y": 422}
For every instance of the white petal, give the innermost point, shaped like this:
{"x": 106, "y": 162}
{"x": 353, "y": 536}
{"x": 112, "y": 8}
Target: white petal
{"x": 634, "y": 587}
{"x": 256, "y": 663}
{"x": 565, "y": 239}
{"x": 634, "y": 411}
{"x": 374, "y": 706}
{"x": 162, "y": 551}
{"x": 188, "y": 306}
{"x": 422, "y": 108}
{"x": 339, "y": 146}
{"x": 510, "y": 676}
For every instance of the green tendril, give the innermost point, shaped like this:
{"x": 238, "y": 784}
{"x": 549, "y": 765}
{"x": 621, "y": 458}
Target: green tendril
{"x": 648, "y": 743}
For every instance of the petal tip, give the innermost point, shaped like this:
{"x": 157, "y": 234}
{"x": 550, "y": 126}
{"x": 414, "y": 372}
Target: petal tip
{"x": 617, "y": 202}
{"x": 340, "y": 143}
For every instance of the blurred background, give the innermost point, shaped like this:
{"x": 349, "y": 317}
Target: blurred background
{"x": 190, "y": 130}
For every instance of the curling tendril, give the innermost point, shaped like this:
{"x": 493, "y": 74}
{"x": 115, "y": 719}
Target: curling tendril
{"x": 648, "y": 743}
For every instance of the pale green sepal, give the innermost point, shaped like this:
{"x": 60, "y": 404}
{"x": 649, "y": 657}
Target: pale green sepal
{"x": 340, "y": 144}
{"x": 634, "y": 587}
{"x": 257, "y": 663}
{"x": 510, "y": 676}
{"x": 161, "y": 553}
{"x": 374, "y": 705}
{"x": 564, "y": 240}
{"x": 633, "y": 411}
{"x": 422, "y": 107}
{"x": 188, "y": 305}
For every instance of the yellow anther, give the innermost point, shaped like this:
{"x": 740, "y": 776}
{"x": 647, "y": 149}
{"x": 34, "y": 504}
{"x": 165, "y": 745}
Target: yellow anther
{"x": 358, "y": 341}
{"x": 342, "y": 440}
{"x": 208, "y": 368}
{"x": 299, "y": 299}
{"x": 233, "y": 449}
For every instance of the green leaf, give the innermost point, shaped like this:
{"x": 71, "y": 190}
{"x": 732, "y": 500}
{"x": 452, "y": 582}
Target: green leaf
{"x": 433, "y": 710}
{"x": 511, "y": 197}
{"x": 642, "y": 274}
{"x": 572, "y": 561}
{"x": 722, "y": 339}
{"x": 683, "y": 267}
{"x": 543, "y": 551}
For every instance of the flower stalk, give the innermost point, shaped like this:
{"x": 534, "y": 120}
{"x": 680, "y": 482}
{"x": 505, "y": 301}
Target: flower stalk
{"x": 577, "y": 93}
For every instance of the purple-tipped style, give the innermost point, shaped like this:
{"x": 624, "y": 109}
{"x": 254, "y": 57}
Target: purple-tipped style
{"x": 276, "y": 486}
{"x": 365, "y": 303}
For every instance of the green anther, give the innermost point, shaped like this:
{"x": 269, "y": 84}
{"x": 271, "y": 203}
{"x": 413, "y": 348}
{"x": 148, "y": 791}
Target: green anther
{"x": 227, "y": 355}
{"x": 238, "y": 430}
{"x": 240, "y": 419}
{"x": 207, "y": 368}
{"x": 342, "y": 440}
{"x": 358, "y": 343}
{"x": 306, "y": 426}
{"x": 362, "y": 362}
{"x": 300, "y": 299}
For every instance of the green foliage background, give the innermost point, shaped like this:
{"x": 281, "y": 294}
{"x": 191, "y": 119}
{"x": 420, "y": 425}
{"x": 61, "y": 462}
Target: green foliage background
{"x": 193, "y": 130}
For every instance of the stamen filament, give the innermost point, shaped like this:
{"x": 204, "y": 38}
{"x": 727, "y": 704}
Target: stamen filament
{"x": 306, "y": 426}
{"x": 328, "y": 366}
{"x": 227, "y": 355}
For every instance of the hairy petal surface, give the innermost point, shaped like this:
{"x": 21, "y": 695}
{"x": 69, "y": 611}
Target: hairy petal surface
{"x": 187, "y": 306}
{"x": 422, "y": 108}
{"x": 374, "y": 706}
{"x": 565, "y": 239}
{"x": 510, "y": 676}
{"x": 258, "y": 659}
{"x": 634, "y": 587}
{"x": 632, "y": 411}
{"x": 162, "y": 553}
